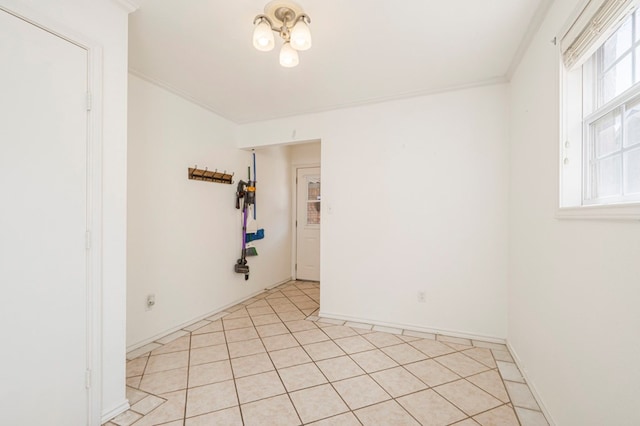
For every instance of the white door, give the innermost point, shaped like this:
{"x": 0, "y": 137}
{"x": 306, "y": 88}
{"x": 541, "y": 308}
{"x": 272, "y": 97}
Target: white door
{"x": 43, "y": 259}
{"x": 308, "y": 224}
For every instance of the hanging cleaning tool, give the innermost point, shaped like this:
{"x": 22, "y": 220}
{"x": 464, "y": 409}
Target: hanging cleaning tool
{"x": 247, "y": 192}
{"x": 255, "y": 180}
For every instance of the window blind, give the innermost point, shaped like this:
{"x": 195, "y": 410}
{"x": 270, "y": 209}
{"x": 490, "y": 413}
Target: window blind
{"x": 595, "y": 23}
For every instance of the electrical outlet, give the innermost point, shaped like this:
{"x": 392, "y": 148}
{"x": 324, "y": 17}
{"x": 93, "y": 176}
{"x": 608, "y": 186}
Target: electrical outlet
{"x": 422, "y": 297}
{"x": 151, "y": 301}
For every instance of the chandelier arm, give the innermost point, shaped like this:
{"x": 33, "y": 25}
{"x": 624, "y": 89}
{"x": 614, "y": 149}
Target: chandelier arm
{"x": 265, "y": 18}
{"x": 303, "y": 17}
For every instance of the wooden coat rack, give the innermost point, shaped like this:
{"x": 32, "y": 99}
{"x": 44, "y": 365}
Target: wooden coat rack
{"x": 210, "y": 176}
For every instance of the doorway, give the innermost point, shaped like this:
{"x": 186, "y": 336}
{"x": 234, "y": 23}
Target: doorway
{"x": 308, "y": 222}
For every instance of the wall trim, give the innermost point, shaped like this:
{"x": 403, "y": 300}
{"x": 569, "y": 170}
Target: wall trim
{"x": 601, "y": 212}
{"x": 414, "y": 327}
{"x": 530, "y": 383}
{"x": 162, "y": 334}
{"x": 119, "y": 409}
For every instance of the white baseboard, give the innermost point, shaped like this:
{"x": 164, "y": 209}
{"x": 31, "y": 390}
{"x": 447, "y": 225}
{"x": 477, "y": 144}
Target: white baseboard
{"x": 119, "y": 409}
{"x": 413, "y": 327}
{"x": 532, "y": 386}
{"x": 162, "y": 334}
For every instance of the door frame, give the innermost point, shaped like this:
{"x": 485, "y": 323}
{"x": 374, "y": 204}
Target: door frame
{"x": 94, "y": 195}
{"x": 294, "y": 213}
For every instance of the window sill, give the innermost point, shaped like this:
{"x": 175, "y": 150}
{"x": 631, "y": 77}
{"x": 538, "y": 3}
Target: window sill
{"x": 609, "y": 212}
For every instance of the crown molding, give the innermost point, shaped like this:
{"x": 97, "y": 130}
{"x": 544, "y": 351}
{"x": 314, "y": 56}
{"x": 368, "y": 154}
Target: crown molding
{"x": 532, "y": 29}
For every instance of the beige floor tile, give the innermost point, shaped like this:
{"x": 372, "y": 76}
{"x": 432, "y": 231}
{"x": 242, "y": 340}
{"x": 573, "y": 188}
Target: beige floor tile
{"x": 318, "y": 403}
{"x": 214, "y": 327}
{"x": 228, "y": 417}
{"x": 235, "y": 323}
{"x": 501, "y": 416}
{"x": 171, "y": 410}
{"x": 330, "y": 321}
{"x": 241, "y": 334}
{"x": 482, "y": 355}
{"x": 164, "y": 381}
{"x": 455, "y": 340}
{"x": 382, "y": 340}
{"x": 385, "y": 413}
{"x": 165, "y": 362}
{"x": 284, "y": 307}
{"x": 339, "y": 368}
{"x": 135, "y": 367}
{"x": 214, "y": 397}
{"x": 259, "y": 386}
{"x": 142, "y": 350}
{"x": 127, "y": 418}
{"x": 346, "y": 419}
{"x": 501, "y": 355}
{"x": 374, "y": 360}
{"x": 255, "y": 311}
{"x": 197, "y": 325}
{"x": 398, "y": 381}
{"x": 390, "y": 330}
{"x": 354, "y": 344}
{"x": 467, "y": 422}
{"x": 146, "y": 405}
{"x": 323, "y": 350}
{"x": 245, "y": 348}
{"x": 358, "y": 325}
{"x": 289, "y": 357}
{"x": 266, "y": 319}
{"x": 404, "y": 353}
{"x": 291, "y": 315}
{"x": 272, "y": 330}
{"x": 469, "y": 398}
{"x": 521, "y": 396}
{"x": 461, "y": 364}
{"x": 277, "y": 410}
{"x": 218, "y": 316}
{"x": 237, "y": 311}
{"x": 310, "y": 336}
{"x": 207, "y": 339}
{"x": 419, "y": 334}
{"x": 301, "y": 377}
{"x": 171, "y": 337}
{"x": 489, "y": 345}
{"x": 252, "y": 364}
{"x": 432, "y": 373}
{"x": 509, "y": 371}
{"x": 360, "y": 391}
{"x": 430, "y": 409}
{"x": 530, "y": 417}
{"x": 283, "y": 341}
{"x": 178, "y": 345}
{"x": 338, "y": 332}
{"x": 491, "y": 382}
{"x": 300, "y": 325}
{"x": 208, "y": 354}
{"x": 310, "y": 307}
{"x": 432, "y": 348}
{"x": 134, "y": 381}
{"x": 406, "y": 338}
{"x": 212, "y": 372}
{"x": 135, "y": 395}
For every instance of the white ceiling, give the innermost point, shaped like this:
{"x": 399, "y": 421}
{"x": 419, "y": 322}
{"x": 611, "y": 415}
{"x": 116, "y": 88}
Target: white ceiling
{"x": 363, "y": 51}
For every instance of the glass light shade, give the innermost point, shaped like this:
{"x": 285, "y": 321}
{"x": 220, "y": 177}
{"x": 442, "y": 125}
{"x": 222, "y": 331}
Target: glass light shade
{"x": 301, "y": 36}
{"x": 288, "y": 56}
{"x": 263, "y": 37}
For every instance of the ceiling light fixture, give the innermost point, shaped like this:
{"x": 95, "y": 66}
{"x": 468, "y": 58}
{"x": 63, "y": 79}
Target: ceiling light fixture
{"x": 287, "y": 19}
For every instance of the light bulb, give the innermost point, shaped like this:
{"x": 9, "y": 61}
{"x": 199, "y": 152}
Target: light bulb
{"x": 263, "y": 37}
{"x": 301, "y": 36}
{"x": 288, "y": 56}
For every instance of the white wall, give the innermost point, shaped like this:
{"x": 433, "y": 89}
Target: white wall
{"x": 415, "y": 199}
{"x": 184, "y": 236}
{"x": 574, "y": 285}
{"x": 305, "y": 154}
{"x": 104, "y": 23}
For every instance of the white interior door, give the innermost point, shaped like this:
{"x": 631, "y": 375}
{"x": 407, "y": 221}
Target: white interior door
{"x": 43, "y": 221}
{"x": 308, "y": 208}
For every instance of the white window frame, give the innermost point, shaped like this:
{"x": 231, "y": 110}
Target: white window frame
{"x": 575, "y": 134}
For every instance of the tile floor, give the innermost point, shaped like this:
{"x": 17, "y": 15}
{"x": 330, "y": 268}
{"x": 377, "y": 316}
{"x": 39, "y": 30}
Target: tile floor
{"x": 271, "y": 361}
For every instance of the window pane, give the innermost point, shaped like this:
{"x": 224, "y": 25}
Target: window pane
{"x": 606, "y": 134}
{"x": 607, "y": 177}
{"x": 632, "y": 121}
{"x": 313, "y": 191}
{"x": 313, "y": 213}
{"x": 617, "y": 44}
{"x": 618, "y": 79}
{"x": 632, "y": 171}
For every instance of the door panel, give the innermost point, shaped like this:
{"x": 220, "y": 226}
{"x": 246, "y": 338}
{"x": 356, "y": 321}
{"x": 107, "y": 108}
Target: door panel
{"x": 308, "y": 216}
{"x": 43, "y": 259}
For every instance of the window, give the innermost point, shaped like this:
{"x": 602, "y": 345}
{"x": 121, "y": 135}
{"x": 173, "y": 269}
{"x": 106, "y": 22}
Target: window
{"x": 600, "y": 151}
